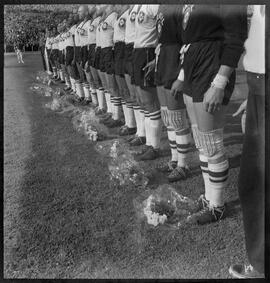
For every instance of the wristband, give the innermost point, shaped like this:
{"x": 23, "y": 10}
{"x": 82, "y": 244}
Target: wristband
{"x": 219, "y": 81}
{"x": 181, "y": 75}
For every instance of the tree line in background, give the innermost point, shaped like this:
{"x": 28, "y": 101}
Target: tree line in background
{"x": 23, "y": 24}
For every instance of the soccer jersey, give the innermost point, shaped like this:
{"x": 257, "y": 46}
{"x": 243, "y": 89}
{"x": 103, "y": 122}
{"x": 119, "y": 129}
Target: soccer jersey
{"x": 146, "y": 35}
{"x": 55, "y": 43}
{"x": 77, "y": 35}
{"x": 98, "y": 39}
{"x": 83, "y": 31}
{"x": 92, "y": 32}
{"x": 48, "y": 43}
{"x": 120, "y": 27}
{"x": 107, "y": 30}
{"x": 130, "y": 25}
{"x": 69, "y": 36}
{"x": 225, "y": 23}
{"x": 168, "y": 19}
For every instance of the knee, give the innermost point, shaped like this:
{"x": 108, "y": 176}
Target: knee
{"x": 177, "y": 119}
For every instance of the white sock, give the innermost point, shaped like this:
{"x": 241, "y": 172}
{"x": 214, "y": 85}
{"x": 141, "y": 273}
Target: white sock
{"x": 94, "y": 96}
{"x": 141, "y": 130}
{"x": 118, "y": 107}
{"x": 108, "y": 101}
{"x": 124, "y": 106}
{"x": 86, "y": 91}
{"x": 172, "y": 141}
{"x": 155, "y": 126}
{"x": 79, "y": 89}
{"x": 136, "y": 109}
{"x": 131, "y": 117}
{"x": 101, "y": 98}
{"x": 147, "y": 128}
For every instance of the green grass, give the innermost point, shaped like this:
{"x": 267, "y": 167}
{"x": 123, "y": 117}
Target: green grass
{"x": 74, "y": 222}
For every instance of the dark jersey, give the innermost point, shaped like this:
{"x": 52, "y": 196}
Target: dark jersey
{"x": 225, "y": 23}
{"x": 168, "y": 19}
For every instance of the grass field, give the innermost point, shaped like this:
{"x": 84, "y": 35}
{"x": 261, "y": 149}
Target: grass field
{"x": 72, "y": 221}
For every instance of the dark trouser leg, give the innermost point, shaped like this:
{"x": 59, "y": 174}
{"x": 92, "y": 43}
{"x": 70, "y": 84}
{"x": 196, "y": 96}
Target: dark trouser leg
{"x": 252, "y": 170}
{"x": 42, "y": 48}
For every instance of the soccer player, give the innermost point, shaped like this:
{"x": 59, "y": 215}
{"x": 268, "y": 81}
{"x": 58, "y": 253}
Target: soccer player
{"x": 173, "y": 109}
{"x": 146, "y": 39}
{"x": 92, "y": 51}
{"x": 112, "y": 96}
{"x": 213, "y": 38}
{"x": 119, "y": 56}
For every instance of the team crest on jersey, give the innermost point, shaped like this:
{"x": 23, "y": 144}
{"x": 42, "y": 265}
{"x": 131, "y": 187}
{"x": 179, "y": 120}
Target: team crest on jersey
{"x": 122, "y": 22}
{"x": 141, "y": 17}
{"x": 160, "y": 21}
{"x": 104, "y": 26}
{"x": 133, "y": 16}
{"x": 91, "y": 28}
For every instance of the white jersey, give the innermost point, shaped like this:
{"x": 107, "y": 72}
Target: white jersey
{"x": 106, "y": 31}
{"x": 48, "y": 43}
{"x": 83, "y": 32}
{"x": 62, "y": 42}
{"x": 130, "y": 25}
{"x": 55, "y": 43}
{"x": 70, "y": 36}
{"x": 98, "y": 39}
{"x": 120, "y": 27}
{"x": 77, "y": 36}
{"x": 93, "y": 30}
{"x": 146, "y": 34}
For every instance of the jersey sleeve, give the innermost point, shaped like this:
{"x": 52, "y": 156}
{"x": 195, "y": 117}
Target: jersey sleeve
{"x": 234, "y": 20}
{"x": 152, "y": 10}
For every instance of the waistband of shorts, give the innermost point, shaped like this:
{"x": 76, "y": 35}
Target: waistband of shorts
{"x": 145, "y": 48}
{"x": 107, "y": 48}
{"x": 130, "y": 45}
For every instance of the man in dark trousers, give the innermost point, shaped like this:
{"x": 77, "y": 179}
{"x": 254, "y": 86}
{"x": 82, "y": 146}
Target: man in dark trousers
{"x": 252, "y": 170}
{"x": 42, "y": 40}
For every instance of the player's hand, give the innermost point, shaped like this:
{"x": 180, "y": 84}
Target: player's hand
{"x": 149, "y": 67}
{"x": 177, "y": 88}
{"x": 86, "y": 66}
{"x": 213, "y": 99}
{"x": 241, "y": 108}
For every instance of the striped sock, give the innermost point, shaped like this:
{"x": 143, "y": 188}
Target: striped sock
{"x": 94, "y": 96}
{"x": 172, "y": 142}
{"x": 118, "y": 107}
{"x": 205, "y": 174}
{"x": 183, "y": 146}
{"x": 79, "y": 89}
{"x": 124, "y": 106}
{"x": 147, "y": 127}
{"x": 155, "y": 128}
{"x": 86, "y": 91}
{"x": 131, "y": 123}
{"x": 218, "y": 168}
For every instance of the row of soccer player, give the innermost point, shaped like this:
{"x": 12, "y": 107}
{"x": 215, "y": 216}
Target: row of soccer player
{"x": 158, "y": 63}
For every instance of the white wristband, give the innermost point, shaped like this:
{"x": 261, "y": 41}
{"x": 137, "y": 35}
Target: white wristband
{"x": 219, "y": 81}
{"x": 181, "y": 75}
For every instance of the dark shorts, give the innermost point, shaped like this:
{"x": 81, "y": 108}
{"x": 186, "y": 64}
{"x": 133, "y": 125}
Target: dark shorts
{"x": 91, "y": 54}
{"x": 78, "y": 54}
{"x": 201, "y": 64}
{"x": 119, "y": 58}
{"x": 61, "y": 57}
{"x": 168, "y": 66}
{"x": 84, "y": 54}
{"x": 107, "y": 55}
{"x": 97, "y": 58}
{"x": 142, "y": 56}
{"x": 69, "y": 55}
{"x": 128, "y": 65}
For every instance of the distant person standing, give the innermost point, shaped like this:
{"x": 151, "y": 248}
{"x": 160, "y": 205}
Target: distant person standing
{"x": 18, "y": 47}
{"x": 42, "y": 41}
